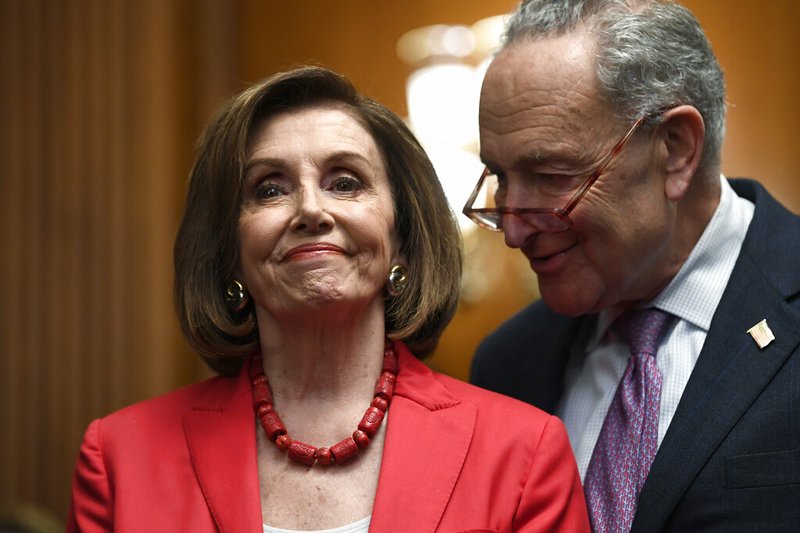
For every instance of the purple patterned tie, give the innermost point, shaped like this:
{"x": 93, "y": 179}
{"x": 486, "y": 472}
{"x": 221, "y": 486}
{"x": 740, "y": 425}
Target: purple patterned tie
{"x": 629, "y": 438}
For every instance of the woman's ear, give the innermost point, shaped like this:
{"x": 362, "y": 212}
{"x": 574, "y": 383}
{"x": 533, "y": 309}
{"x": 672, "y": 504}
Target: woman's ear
{"x": 237, "y": 274}
{"x": 683, "y": 133}
{"x": 398, "y": 257}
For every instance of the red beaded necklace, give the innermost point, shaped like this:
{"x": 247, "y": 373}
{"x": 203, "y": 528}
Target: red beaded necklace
{"x": 342, "y": 450}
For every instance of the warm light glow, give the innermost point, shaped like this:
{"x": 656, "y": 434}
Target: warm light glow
{"x": 443, "y": 103}
{"x": 443, "y": 95}
{"x": 458, "y": 169}
{"x": 423, "y": 44}
{"x": 487, "y": 33}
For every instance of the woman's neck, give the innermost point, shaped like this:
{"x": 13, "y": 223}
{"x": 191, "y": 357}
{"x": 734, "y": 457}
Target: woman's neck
{"x": 330, "y": 354}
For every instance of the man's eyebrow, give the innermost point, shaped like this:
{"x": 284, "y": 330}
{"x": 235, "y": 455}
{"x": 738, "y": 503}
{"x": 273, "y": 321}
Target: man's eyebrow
{"x": 522, "y": 160}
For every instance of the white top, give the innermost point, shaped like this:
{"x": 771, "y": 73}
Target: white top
{"x": 594, "y": 372}
{"x": 362, "y": 526}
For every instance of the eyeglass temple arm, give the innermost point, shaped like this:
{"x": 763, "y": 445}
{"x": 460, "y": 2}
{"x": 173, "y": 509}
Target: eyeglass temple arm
{"x": 602, "y": 167}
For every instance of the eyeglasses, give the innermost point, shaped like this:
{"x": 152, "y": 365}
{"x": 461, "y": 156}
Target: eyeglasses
{"x": 549, "y": 219}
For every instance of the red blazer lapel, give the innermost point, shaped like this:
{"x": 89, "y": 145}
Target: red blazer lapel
{"x": 220, "y": 434}
{"x": 428, "y": 434}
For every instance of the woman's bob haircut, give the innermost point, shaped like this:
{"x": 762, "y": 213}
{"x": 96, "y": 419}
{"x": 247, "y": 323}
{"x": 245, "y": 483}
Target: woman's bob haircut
{"x": 207, "y": 245}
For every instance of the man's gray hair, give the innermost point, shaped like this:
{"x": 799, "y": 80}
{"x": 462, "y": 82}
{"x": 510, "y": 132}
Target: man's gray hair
{"x": 652, "y": 55}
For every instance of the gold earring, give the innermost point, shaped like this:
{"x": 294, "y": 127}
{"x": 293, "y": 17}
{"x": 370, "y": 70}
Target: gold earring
{"x": 398, "y": 280}
{"x": 236, "y": 296}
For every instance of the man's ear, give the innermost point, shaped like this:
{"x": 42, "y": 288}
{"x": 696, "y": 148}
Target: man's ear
{"x": 682, "y": 131}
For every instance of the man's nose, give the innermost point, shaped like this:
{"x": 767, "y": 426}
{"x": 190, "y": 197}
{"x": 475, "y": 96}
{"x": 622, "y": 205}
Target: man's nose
{"x": 516, "y": 231}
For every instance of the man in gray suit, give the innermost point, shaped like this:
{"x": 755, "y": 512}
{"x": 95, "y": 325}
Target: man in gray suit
{"x": 601, "y": 123}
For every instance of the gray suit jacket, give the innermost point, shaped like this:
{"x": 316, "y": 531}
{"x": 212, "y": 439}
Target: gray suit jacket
{"x": 730, "y": 460}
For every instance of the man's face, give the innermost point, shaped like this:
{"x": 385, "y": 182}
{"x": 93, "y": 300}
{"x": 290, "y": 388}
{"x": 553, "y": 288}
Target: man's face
{"x": 542, "y": 118}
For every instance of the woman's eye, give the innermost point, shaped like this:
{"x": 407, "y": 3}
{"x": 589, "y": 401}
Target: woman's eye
{"x": 347, "y": 184}
{"x": 267, "y": 191}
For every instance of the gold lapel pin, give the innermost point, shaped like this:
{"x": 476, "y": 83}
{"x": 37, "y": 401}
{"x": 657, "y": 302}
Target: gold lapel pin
{"x": 761, "y": 334}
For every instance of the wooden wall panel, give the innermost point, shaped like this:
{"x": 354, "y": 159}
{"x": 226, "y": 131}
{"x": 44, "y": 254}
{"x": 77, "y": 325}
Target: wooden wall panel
{"x": 101, "y": 105}
{"x": 757, "y": 47}
{"x": 355, "y": 37}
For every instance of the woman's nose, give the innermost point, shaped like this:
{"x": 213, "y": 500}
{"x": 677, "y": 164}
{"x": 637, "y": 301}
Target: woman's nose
{"x": 312, "y": 213}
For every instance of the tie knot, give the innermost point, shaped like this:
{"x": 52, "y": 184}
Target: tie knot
{"x": 643, "y": 329}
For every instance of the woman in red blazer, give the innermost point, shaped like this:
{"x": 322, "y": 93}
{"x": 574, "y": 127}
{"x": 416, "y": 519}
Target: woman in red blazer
{"x": 316, "y": 260}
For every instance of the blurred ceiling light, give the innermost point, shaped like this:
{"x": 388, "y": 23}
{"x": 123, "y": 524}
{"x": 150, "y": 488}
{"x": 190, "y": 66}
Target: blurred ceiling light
{"x": 429, "y": 43}
{"x": 487, "y": 34}
{"x": 443, "y": 103}
{"x": 443, "y": 94}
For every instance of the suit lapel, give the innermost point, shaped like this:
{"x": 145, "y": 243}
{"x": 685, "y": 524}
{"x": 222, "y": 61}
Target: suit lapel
{"x": 428, "y": 434}
{"x": 220, "y": 434}
{"x": 547, "y": 354}
{"x": 730, "y": 373}
{"x": 527, "y": 357}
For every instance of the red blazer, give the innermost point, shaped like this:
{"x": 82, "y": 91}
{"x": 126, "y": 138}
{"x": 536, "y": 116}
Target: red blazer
{"x": 456, "y": 458}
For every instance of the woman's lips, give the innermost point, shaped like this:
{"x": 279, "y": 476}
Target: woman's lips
{"x": 305, "y": 250}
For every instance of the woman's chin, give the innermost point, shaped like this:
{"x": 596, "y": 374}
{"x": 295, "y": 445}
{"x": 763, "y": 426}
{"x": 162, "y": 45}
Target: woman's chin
{"x": 322, "y": 300}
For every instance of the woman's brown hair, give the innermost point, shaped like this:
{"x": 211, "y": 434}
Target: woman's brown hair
{"x": 206, "y": 249}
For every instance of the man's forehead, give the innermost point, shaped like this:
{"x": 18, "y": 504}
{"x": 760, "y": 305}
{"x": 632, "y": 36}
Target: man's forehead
{"x": 571, "y": 57}
{"x": 556, "y": 74}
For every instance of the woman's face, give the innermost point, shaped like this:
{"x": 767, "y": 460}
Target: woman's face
{"x": 316, "y": 225}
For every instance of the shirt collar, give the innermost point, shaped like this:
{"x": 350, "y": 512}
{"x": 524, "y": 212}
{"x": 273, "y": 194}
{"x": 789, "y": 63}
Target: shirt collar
{"x": 694, "y": 293}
